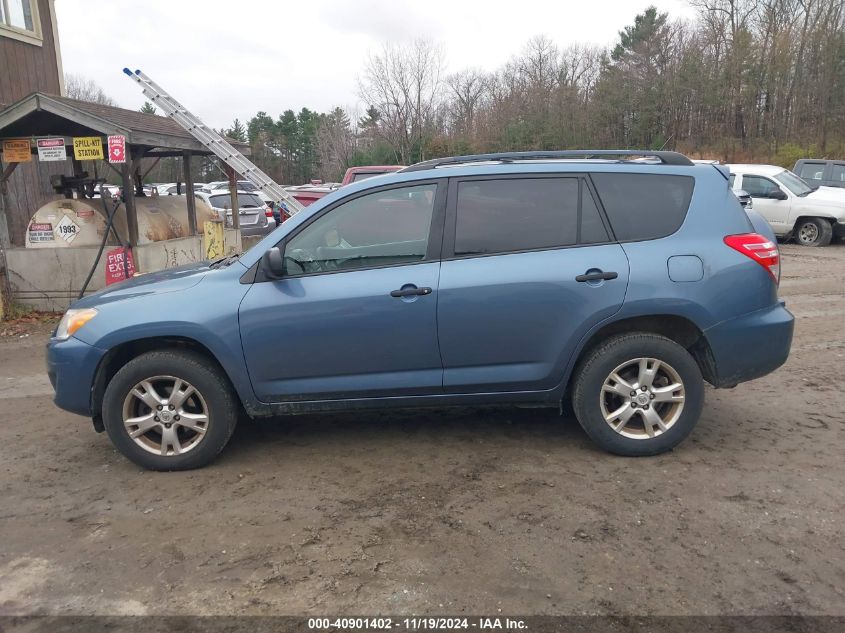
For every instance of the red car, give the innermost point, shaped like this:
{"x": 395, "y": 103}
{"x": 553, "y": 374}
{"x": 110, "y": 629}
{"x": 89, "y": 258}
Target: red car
{"x": 316, "y": 189}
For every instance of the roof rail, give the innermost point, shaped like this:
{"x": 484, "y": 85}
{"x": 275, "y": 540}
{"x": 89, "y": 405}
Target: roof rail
{"x": 666, "y": 158}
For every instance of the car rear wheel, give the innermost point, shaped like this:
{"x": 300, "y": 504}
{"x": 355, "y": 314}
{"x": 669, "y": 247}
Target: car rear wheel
{"x": 813, "y": 232}
{"x": 169, "y": 410}
{"x": 638, "y": 394}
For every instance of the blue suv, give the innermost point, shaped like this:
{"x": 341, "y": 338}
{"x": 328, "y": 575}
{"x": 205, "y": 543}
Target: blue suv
{"x": 618, "y": 281}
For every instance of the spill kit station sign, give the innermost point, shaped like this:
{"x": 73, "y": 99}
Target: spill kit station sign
{"x": 16, "y": 151}
{"x": 51, "y": 149}
{"x": 88, "y": 148}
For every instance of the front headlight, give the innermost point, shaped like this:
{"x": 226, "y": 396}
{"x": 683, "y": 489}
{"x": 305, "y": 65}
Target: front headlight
{"x": 72, "y": 321}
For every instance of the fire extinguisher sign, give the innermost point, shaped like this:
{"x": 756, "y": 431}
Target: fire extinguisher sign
{"x": 117, "y": 149}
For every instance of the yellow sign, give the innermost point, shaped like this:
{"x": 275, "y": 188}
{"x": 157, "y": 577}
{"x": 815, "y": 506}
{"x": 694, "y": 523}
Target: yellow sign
{"x": 212, "y": 237}
{"x": 88, "y": 148}
{"x": 16, "y": 151}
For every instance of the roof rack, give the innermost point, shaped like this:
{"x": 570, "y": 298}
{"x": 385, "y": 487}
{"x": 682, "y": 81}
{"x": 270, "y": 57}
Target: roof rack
{"x": 666, "y": 158}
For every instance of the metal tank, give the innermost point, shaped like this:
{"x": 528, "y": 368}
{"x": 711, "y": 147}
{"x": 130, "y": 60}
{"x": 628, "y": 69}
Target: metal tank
{"x": 69, "y": 223}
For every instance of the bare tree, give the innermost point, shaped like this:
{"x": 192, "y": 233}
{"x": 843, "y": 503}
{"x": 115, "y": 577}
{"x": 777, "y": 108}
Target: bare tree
{"x": 404, "y": 85}
{"x": 85, "y": 89}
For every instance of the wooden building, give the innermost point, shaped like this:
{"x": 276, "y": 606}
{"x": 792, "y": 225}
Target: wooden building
{"x": 30, "y": 61}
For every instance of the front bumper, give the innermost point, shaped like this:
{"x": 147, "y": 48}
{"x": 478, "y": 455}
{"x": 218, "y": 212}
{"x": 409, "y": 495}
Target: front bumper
{"x": 71, "y": 367}
{"x": 750, "y": 346}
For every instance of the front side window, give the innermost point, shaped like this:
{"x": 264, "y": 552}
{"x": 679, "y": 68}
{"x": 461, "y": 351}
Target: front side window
{"x": 759, "y": 187}
{"x": 385, "y": 228}
{"x": 838, "y": 174}
{"x": 519, "y": 214}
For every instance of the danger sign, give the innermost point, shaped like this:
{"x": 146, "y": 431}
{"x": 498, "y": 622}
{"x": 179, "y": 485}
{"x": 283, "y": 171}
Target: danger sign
{"x": 51, "y": 149}
{"x": 117, "y": 149}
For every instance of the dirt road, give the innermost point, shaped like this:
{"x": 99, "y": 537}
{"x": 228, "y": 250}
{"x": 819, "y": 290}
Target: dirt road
{"x": 445, "y": 512}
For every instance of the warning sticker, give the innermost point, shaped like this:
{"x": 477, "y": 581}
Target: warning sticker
{"x": 41, "y": 232}
{"x": 67, "y": 229}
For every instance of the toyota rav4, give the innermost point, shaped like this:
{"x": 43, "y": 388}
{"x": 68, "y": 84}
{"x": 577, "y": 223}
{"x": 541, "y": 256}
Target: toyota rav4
{"x": 616, "y": 283}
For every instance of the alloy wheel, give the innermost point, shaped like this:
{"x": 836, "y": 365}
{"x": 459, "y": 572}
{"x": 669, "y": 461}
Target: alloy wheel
{"x": 808, "y": 233}
{"x": 642, "y": 398}
{"x": 165, "y": 415}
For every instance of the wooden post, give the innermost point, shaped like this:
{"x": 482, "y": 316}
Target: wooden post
{"x": 129, "y": 200}
{"x": 189, "y": 193}
{"x": 233, "y": 191}
{"x": 5, "y": 175}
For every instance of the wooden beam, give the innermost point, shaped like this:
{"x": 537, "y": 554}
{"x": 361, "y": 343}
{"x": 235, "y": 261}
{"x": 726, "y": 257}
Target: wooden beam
{"x": 129, "y": 201}
{"x": 189, "y": 193}
{"x": 233, "y": 192}
{"x": 4, "y": 179}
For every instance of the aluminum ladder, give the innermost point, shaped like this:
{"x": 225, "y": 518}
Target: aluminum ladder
{"x": 213, "y": 141}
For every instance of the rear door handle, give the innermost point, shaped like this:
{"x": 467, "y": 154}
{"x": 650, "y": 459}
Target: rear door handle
{"x": 410, "y": 292}
{"x": 597, "y": 276}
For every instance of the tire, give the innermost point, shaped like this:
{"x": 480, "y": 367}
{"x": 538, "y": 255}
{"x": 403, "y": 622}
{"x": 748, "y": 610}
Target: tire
{"x": 624, "y": 354}
{"x": 197, "y": 389}
{"x": 813, "y": 232}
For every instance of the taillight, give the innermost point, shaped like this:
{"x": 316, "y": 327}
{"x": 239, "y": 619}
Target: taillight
{"x": 268, "y": 212}
{"x": 759, "y": 248}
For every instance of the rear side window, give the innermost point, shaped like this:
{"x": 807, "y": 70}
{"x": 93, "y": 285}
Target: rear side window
{"x": 519, "y": 214}
{"x": 644, "y": 206}
{"x": 812, "y": 171}
{"x": 838, "y": 175}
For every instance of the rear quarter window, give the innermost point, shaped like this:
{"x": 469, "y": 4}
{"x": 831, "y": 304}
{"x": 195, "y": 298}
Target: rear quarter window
{"x": 644, "y": 206}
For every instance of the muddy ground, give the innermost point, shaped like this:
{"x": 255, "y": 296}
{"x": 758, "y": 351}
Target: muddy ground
{"x": 444, "y": 512}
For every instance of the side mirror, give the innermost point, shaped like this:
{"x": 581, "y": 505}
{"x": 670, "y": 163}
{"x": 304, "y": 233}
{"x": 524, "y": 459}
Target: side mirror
{"x": 777, "y": 194}
{"x": 273, "y": 264}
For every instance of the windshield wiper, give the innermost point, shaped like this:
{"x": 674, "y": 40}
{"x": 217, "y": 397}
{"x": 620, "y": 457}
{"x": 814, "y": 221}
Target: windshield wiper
{"x": 225, "y": 261}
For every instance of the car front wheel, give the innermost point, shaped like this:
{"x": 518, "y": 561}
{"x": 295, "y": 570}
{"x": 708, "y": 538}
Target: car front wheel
{"x": 169, "y": 410}
{"x": 638, "y": 394}
{"x": 813, "y": 232}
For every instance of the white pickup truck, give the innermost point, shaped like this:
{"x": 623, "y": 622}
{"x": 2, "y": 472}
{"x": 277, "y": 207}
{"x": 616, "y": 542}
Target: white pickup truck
{"x": 812, "y": 216}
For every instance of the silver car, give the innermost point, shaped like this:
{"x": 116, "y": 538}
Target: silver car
{"x": 251, "y": 213}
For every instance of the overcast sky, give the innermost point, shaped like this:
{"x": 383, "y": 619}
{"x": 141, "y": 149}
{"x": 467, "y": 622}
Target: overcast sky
{"x": 232, "y": 59}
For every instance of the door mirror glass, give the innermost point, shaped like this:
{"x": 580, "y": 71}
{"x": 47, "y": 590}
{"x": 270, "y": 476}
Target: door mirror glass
{"x": 777, "y": 194}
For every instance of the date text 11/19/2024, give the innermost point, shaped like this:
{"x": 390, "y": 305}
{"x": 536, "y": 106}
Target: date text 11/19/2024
{"x": 416, "y": 624}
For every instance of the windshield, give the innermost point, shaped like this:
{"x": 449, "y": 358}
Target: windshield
{"x": 793, "y": 183}
{"x": 245, "y": 201}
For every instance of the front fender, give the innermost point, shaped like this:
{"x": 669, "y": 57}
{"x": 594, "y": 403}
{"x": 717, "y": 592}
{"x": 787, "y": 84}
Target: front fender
{"x": 206, "y": 313}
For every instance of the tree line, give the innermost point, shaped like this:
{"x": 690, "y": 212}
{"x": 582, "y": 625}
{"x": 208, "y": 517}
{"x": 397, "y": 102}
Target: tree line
{"x": 746, "y": 80}
{"x": 760, "y": 80}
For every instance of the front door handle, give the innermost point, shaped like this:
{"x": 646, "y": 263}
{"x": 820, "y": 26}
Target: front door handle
{"x": 597, "y": 276}
{"x": 410, "y": 291}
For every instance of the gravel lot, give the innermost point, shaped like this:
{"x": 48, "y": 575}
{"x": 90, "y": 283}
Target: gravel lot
{"x": 452, "y": 512}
